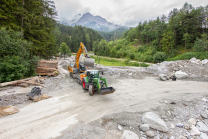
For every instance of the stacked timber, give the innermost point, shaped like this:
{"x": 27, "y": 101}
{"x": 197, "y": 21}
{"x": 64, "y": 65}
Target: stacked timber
{"x": 49, "y": 68}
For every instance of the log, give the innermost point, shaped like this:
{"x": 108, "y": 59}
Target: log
{"x": 48, "y": 74}
{"x": 49, "y": 66}
{"x": 48, "y": 62}
{"x": 15, "y": 82}
{"x": 23, "y": 85}
{"x": 27, "y": 82}
{"x": 40, "y": 69}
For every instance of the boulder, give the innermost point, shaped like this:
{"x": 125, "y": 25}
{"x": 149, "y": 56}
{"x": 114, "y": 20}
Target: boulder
{"x": 163, "y": 77}
{"x": 154, "y": 121}
{"x": 129, "y": 135}
{"x": 119, "y": 127}
{"x": 203, "y": 136}
{"x": 202, "y": 127}
{"x": 150, "y": 133}
{"x": 205, "y": 61}
{"x": 181, "y": 75}
{"x": 195, "y": 61}
{"x": 192, "y": 121}
{"x": 144, "y": 127}
{"x": 179, "y": 125}
{"x": 194, "y": 131}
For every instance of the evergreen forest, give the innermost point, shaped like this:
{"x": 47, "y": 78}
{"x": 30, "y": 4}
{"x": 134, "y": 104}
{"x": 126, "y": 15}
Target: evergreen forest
{"x": 182, "y": 34}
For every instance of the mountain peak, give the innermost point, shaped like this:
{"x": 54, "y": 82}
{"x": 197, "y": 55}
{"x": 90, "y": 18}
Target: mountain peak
{"x": 95, "y": 22}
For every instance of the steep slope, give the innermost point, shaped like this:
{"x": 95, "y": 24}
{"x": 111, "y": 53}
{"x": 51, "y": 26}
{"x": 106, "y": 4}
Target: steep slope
{"x": 97, "y": 23}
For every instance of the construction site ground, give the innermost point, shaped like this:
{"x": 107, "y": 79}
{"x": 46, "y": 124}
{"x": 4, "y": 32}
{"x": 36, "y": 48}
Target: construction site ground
{"x": 73, "y": 113}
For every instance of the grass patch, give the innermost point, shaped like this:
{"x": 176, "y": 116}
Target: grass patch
{"x": 113, "y": 62}
{"x": 188, "y": 56}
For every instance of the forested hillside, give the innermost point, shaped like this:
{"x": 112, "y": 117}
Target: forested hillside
{"x": 116, "y": 34}
{"x": 182, "y": 30}
{"x": 72, "y": 36}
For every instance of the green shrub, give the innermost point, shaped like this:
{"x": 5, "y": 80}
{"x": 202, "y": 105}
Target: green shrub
{"x": 132, "y": 56}
{"x": 15, "y": 60}
{"x": 188, "y": 56}
{"x": 172, "y": 53}
{"x": 141, "y": 49}
{"x": 148, "y": 58}
{"x": 127, "y": 61}
{"x": 199, "y": 46}
{"x": 159, "y": 57}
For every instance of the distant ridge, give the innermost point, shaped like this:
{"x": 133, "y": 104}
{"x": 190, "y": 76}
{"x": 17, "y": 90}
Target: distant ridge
{"x": 95, "y": 22}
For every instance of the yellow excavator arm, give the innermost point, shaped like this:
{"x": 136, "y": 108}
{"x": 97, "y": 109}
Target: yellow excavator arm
{"x": 77, "y": 68}
{"x": 83, "y": 49}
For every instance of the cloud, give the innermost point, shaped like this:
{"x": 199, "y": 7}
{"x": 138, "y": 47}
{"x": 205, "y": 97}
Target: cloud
{"x": 121, "y": 12}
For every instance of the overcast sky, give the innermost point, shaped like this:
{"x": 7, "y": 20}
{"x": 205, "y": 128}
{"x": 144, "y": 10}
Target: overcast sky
{"x": 122, "y": 12}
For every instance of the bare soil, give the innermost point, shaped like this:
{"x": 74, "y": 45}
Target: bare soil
{"x": 73, "y": 113}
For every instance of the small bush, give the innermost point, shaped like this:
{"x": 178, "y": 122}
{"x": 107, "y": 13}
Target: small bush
{"x": 132, "y": 56}
{"x": 148, "y": 58}
{"x": 172, "y": 53}
{"x": 159, "y": 57}
{"x": 127, "y": 61}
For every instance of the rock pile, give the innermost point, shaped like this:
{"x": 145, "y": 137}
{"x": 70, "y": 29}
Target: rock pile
{"x": 192, "y": 69}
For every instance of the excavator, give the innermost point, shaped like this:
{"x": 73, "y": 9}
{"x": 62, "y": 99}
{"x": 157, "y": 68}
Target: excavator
{"x": 80, "y": 67}
{"x": 89, "y": 79}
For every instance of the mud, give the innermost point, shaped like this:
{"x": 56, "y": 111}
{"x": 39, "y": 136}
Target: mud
{"x": 72, "y": 113}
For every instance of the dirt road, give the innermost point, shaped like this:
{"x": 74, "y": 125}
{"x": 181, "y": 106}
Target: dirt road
{"x": 71, "y": 106}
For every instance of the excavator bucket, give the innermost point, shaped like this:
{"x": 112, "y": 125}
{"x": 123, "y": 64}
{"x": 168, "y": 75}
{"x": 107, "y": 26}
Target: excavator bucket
{"x": 107, "y": 90}
{"x": 89, "y": 62}
{"x": 4, "y": 111}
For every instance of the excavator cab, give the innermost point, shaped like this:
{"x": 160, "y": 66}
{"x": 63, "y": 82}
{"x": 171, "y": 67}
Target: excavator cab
{"x": 82, "y": 67}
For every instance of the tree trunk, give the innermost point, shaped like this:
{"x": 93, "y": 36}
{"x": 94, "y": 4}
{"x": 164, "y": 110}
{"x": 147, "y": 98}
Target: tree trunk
{"x": 23, "y": 2}
{"x": 185, "y": 46}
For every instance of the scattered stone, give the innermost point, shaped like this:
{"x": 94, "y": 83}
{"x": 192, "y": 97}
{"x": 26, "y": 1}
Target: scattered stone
{"x": 181, "y": 75}
{"x": 204, "y": 115}
{"x": 195, "y": 61}
{"x": 187, "y": 127}
{"x": 143, "y": 138}
{"x": 119, "y": 127}
{"x": 150, "y": 133}
{"x": 130, "y": 74}
{"x": 203, "y": 136}
{"x": 181, "y": 137}
{"x": 192, "y": 121}
{"x": 163, "y": 117}
{"x": 172, "y": 137}
{"x": 172, "y": 126}
{"x": 154, "y": 121}
{"x": 163, "y": 77}
{"x": 179, "y": 125}
{"x": 194, "y": 131}
{"x": 172, "y": 103}
{"x": 204, "y": 99}
{"x": 129, "y": 135}
{"x": 202, "y": 127}
{"x": 144, "y": 127}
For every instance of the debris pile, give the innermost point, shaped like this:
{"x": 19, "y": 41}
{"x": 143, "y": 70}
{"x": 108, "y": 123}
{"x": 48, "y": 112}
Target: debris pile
{"x": 25, "y": 82}
{"x": 193, "y": 69}
{"x": 49, "y": 68}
